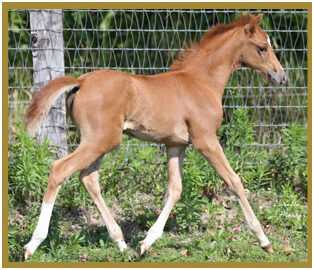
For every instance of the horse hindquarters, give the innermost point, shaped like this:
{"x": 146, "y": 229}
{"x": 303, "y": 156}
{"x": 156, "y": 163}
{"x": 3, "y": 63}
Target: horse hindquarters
{"x": 99, "y": 136}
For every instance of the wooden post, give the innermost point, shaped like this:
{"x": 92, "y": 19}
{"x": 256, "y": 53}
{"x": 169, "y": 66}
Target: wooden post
{"x": 48, "y": 63}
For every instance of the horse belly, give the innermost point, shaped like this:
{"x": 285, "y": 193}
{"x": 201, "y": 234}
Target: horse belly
{"x": 174, "y": 136}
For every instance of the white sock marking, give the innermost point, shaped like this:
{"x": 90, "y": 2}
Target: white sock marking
{"x": 121, "y": 245}
{"x": 42, "y": 227}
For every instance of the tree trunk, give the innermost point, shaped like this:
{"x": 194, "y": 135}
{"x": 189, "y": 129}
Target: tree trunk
{"x": 48, "y": 63}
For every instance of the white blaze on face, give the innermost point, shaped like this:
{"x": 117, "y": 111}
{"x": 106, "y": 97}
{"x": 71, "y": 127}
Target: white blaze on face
{"x": 268, "y": 40}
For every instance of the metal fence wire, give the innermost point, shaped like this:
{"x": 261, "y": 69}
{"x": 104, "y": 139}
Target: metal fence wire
{"x": 147, "y": 42}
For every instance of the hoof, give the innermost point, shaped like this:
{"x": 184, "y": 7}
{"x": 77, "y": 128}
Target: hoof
{"x": 142, "y": 248}
{"x": 122, "y": 245}
{"x": 268, "y": 249}
{"x": 27, "y": 253}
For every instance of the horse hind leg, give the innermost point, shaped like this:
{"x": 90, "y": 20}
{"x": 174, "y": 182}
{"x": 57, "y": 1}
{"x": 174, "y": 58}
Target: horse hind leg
{"x": 61, "y": 170}
{"x": 89, "y": 178}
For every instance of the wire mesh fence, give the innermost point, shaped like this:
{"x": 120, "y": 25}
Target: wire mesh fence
{"x": 147, "y": 42}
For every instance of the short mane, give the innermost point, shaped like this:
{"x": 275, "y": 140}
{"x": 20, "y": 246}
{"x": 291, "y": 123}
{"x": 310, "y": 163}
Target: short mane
{"x": 242, "y": 19}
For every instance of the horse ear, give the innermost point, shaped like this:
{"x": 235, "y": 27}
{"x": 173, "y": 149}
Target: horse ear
{"x": 259, "y": 18}
{"x": 251, "y": 27}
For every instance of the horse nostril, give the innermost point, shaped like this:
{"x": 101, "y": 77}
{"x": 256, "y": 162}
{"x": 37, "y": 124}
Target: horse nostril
{"x": 284, "y": 79}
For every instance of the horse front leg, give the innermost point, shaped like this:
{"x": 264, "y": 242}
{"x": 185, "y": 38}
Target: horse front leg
{"x": 175, "y": 157}
{"x": 210, "y": 148}
{"x": 89, "y": 177}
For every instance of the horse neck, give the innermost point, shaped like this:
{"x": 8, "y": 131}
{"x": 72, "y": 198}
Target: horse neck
{"x": 217, "y": 61}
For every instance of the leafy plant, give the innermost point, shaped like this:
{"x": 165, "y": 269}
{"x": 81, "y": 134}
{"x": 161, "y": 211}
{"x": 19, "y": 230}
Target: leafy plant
{"x": 241, "y": 132}
{"x": 289, "y": 164}
{"x": 240, "y": 137}
{"x": 197, "y": 176}
{"x": 28, "y": 166}
{"x": 258, "y": 175}
{"x": 241, "y": 154}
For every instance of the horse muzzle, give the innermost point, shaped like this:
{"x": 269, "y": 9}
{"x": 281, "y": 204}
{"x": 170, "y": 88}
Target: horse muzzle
{"x": 277, "y": 77}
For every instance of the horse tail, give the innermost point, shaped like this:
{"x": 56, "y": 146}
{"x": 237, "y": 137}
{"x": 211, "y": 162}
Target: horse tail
{"x": 42, "y": 102}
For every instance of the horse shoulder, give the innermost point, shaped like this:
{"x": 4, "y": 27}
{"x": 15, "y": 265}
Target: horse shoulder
{"x": 205, "y": 115}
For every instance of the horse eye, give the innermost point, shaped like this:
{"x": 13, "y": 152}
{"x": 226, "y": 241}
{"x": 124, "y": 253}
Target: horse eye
{"x": 262, "y": 49}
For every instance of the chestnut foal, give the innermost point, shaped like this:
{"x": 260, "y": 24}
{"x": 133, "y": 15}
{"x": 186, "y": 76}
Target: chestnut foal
{"x": 174, "y": 108}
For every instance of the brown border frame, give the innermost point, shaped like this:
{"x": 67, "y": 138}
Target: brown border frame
{"x": 140, "y": 5}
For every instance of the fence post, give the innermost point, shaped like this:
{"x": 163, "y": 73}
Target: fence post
{"x": 48, "y": 63}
